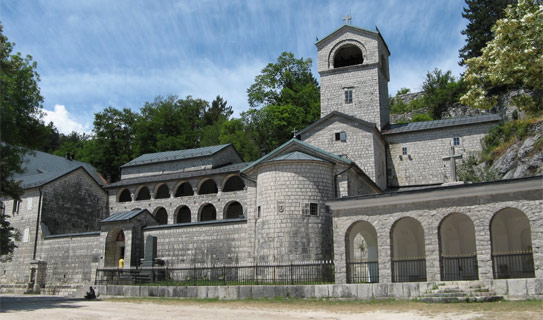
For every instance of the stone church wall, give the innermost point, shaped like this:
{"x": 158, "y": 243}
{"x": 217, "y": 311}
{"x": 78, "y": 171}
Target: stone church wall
{"x": 285, "y": 230}
{"x": 73, "y": 203}
{"x": 424, "y": 162}
{"x": 205, "y": 243}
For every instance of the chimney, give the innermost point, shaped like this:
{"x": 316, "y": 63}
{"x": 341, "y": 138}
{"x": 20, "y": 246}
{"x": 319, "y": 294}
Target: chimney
{"x": 68, "y": 156}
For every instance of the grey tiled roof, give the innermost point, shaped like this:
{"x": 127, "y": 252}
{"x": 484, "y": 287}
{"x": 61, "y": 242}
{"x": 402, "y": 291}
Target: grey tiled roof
{"x": 296, "y": 155}
{"x": 123, "y": 216}
{"x": 236, "y": 167}
{"x": 436, "y": 124}
{"x": 41, "y": 168}
{"x": 175, "y": 155}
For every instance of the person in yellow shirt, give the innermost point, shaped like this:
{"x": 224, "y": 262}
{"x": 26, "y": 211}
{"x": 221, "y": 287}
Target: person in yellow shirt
{"x": 121, "y": 263}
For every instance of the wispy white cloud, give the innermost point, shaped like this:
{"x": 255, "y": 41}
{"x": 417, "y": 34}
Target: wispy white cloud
{"x": 64, "y": 121}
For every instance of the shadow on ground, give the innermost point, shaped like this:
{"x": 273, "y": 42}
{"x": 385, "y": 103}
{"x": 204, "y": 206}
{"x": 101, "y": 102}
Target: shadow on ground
{"x": 10, "y": 303}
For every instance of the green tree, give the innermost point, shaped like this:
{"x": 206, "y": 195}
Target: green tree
{"x": 284, "y": 97}
{"x": 513, "y": 59}
{"x": 21, "y": 126}
{"x": 214, "y": 117}
{"x": 482, "y": 15}
{"x": 113, "y": 141}
{"x": 235, "y": 132}
{"x": 441, "y": 90}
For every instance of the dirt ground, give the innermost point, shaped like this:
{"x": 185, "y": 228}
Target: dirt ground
{"x": 53, "y": 307}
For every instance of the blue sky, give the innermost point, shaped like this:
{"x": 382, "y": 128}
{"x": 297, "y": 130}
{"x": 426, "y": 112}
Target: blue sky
{"x": 93, "y": 54}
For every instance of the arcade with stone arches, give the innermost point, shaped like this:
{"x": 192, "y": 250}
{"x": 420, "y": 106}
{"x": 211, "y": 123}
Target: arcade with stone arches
{"x": 511, "y": 253}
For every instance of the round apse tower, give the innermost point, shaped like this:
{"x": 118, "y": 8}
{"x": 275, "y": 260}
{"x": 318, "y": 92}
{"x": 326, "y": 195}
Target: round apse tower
{"x": 292, "y": 220}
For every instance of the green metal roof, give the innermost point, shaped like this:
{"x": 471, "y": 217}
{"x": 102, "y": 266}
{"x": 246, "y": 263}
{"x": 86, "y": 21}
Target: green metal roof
{"x": 300, "y": 144}
{"x": 296, "y": 155}
{"x": 175, "y": 155}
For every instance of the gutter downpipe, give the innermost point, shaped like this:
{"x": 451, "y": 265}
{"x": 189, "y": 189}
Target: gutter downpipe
{"x": 37, "y": 226}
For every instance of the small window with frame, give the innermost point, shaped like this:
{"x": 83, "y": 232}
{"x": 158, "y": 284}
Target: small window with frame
{"x": 258, "y": 211}
{"x": 341, "y": 136}
{"x": 456, "y": 141}
{"x": 311, "y": 209}
{"x": 348, "y": 95}
{"x": 404, "y": 151}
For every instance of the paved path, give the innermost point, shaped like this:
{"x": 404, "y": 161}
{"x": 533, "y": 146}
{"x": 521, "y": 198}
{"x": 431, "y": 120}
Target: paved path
{"x": 60, "y": 308}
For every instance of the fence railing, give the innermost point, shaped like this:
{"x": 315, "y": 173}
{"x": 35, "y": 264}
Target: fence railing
{"x": 305, "y": 273}
{"x": 455, "y": 268}
{"x": 509, "y": 265}
{"x": 363, "y": 272}
{"x": 409, "y": 270}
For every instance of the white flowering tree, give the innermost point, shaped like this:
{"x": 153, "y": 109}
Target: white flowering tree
{"x": 512, "y": 59}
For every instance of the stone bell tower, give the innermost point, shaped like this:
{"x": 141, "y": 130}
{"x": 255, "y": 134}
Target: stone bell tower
{"x": 353, "y": 65}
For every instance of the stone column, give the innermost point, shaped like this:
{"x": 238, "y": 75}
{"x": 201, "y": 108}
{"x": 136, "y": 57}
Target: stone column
{"x": 483, "y": 243}
{"x": 432, "y": 253}
{"x": 340, "y": 259}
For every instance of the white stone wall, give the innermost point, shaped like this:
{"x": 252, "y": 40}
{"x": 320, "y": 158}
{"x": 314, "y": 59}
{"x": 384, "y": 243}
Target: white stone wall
{"x": 424, "y": 163}
{"x": 363, "y": 145}
{"x": 283, "y": 232}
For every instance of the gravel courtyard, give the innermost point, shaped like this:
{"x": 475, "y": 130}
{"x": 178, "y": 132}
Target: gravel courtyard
{"x": 60, "y": 308}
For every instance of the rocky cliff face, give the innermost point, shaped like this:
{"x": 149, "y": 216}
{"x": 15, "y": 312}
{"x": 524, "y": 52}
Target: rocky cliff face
{"x": 524, "y": 158}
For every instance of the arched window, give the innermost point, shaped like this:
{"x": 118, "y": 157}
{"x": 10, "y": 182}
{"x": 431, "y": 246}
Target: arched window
{"x": 161, "y": 216}
{"x": 125, "y": 196}
{"x": 362, "y": 255}
{"x": 512, "y": 254}
{"x": 233, "y": 210}
{"x": 408, "y": 251}
{"x": 143, "y": 194}
{"x": 208, "y": 213}
{"x": 184, "y": 190}
{"x": 234, "y": 183}
{"x": 183, "y": 215}
{"x": 163, "y": 192}
{"x": 457, "y": 251}
{"x": 208, "y": 187}
{"x": 349, "y": 55}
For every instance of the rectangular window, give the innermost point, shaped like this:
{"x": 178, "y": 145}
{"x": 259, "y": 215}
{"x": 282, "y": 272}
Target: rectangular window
{"x": 348, "y": 95}
{"x": 258, "y": 212}
{"x": 341, "y": 136}
{"x": 26, "y": 235}
{"x": 29, "y": 204}
{"x": 314, "y": 209}
{"x": 404, "y": 151}
{"x": 456, "y": 141}
{"x": 16, "y": 206}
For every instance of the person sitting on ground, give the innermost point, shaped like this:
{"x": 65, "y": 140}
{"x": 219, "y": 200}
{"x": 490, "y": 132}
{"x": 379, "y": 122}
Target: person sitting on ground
{"x": 90, "y": 294}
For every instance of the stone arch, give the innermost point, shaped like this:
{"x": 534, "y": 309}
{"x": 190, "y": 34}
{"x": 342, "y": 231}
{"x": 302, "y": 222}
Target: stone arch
{"x": 184, "y": 190}
{"x": 457, "y": 248}
{"x": 344, "y": 49}
{"x": 407, "y": 250}
{"x": 207, "y": 212}
{"x": 233, "y": 210}
{"x": 233, "y": 183}
{"x": 161, "y": 215}
{"x": 162, "y": 192}
{"x": 510, "y": 238}
{"x": 361, "y": 251}
{"x": 208, "y": 186}
{"x": 115, "y": 247}
{"x": 143, "y": 193}
{"x": 124, "y": 196}
{"x": 182, "y": 214}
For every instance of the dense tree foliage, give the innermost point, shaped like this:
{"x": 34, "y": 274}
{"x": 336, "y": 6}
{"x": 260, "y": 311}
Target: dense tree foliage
{"x": 482, "y": 15}
{"x": 284, "y": 97}
{"x": 512, "y": 59}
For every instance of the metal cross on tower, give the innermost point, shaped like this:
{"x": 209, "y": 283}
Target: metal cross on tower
{"x": 294, "y": 132}
{"x": 347, "y": 19}
{"x": 452, "y": 158}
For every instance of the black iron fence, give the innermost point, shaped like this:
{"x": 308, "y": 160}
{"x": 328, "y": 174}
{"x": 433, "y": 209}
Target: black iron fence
{"x": 409, "y": 270}
{"x": 509, "y": 265}
{"x": 459, "y": 268}
{"x": 304, "y": 273}
{"x": 363, "y": 272}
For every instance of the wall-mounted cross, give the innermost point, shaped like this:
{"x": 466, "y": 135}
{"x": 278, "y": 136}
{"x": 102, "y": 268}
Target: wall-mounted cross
{"x": 452, "y": 158}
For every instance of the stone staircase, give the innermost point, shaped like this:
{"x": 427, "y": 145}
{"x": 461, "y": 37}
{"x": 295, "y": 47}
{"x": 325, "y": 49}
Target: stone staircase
{"x": 447, "y": 293}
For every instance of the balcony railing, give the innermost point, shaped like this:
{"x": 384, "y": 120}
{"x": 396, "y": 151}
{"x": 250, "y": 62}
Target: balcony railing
{"x": 510, "y": 265}
{"x": 409, "y": 270}
{"x": 363, "y": 272}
